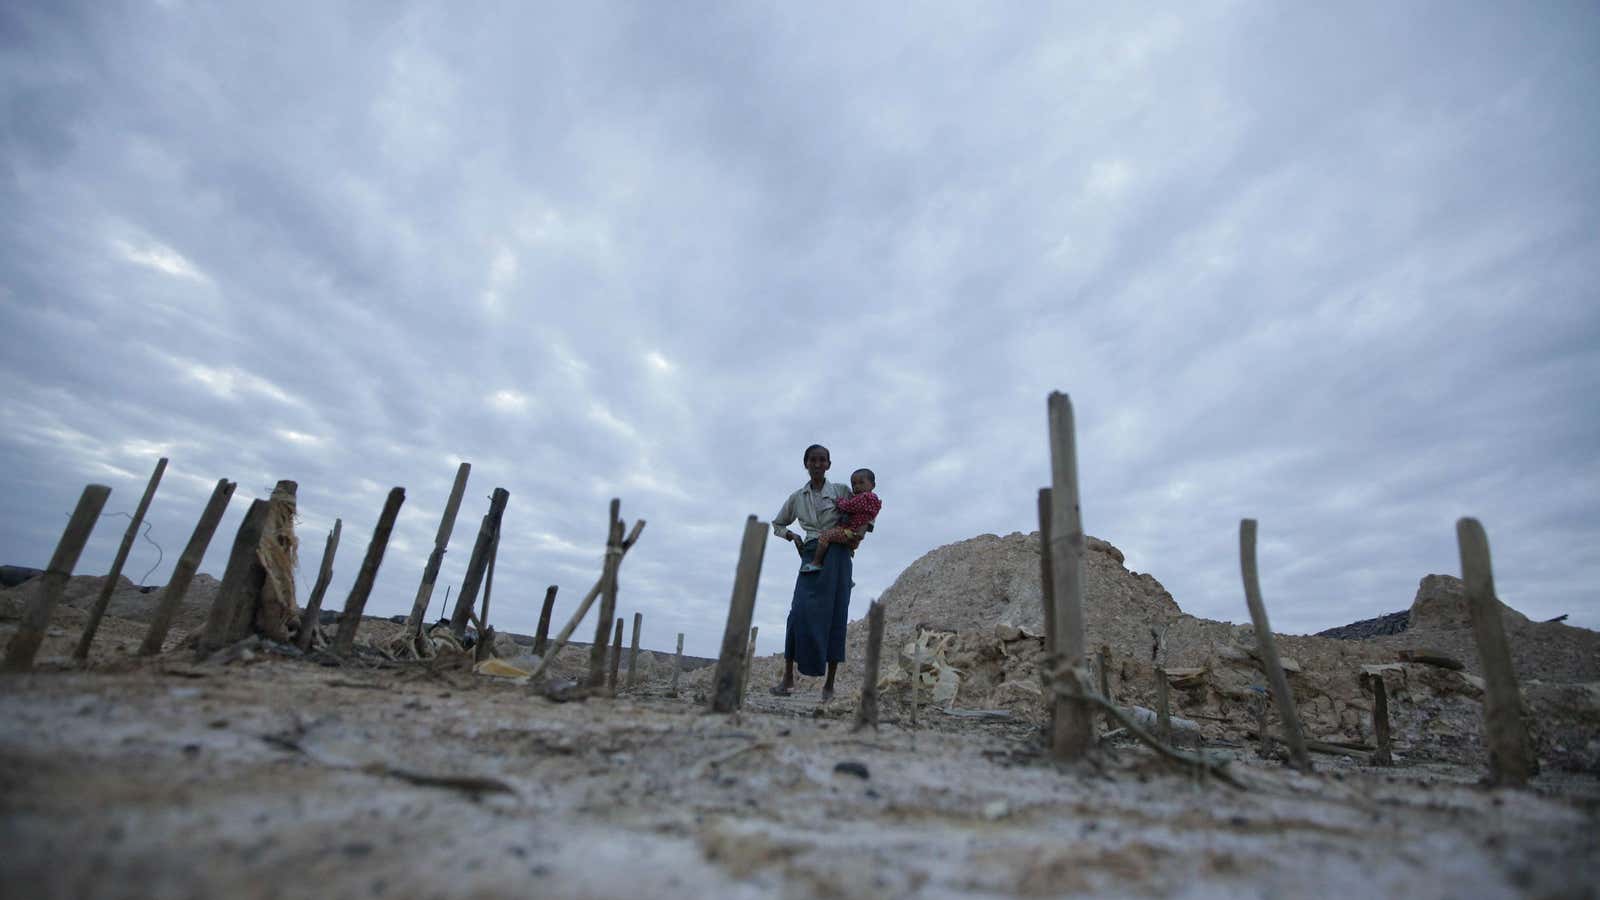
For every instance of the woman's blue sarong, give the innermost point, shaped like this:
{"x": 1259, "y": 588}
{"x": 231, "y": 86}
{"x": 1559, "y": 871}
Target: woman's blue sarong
{"x": 819, "y": 612}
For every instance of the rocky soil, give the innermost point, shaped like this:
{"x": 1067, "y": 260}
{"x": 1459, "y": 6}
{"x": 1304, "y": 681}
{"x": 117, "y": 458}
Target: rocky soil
{"x": 261, "y": 774}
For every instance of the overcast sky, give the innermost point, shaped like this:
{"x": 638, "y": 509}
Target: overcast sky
{"x": 1332, "y": 268}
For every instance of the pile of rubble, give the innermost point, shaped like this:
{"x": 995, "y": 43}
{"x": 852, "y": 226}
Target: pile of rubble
{"x": 976, "y": 608}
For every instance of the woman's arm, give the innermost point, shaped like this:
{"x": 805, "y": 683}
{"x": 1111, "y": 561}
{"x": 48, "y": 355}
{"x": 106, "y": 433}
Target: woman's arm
{"x": 781, "y": 521}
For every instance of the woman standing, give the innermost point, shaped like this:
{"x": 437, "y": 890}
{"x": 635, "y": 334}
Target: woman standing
{"x": 821, "y": 607}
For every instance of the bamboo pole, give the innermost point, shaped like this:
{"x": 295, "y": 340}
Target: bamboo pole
{"x": 344, "y": 640}
{"x": 467, "y": 597}
{"x": 1073, "y": 717}
{"x": 1268, "y": 646}
{"x": 867, "y": 709}
{"x": 24, "y": 645}
{"x": 633, "y": 652}
{"x": 188, "y": 563}
{"x": 1511, "y": 760}
{"x": 677, "y": 665}
{"x": 749, "y": 663}
{"x": 542, "y": 636}
{"x": 441, "y": 541}
{"x": 616, "y": 658}
{"x": 243, "y": 568}
{"x": 488, "y": 581}
{"x": 103, "y": 599}
{"x": 608, "y": 596}
{"x": 313, "y": 611}
{"x": 582, "y": 610}
{"x": 725, "y": 685}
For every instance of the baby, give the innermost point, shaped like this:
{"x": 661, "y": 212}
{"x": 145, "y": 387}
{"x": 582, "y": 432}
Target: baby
{"x": 858, "y": 511}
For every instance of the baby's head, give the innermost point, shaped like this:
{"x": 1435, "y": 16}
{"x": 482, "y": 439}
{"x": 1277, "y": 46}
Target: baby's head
{"x": 862, "y": 480}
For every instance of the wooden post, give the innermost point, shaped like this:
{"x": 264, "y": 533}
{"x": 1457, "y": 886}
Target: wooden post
{"x": 1380, "y": 721}
{"x": 867, "y": 709}
{"x": 243, "y": 568}
{"x": 633, "y": 652}
{"x": 730, "y": 664}
{"x": 1511, "y": 760}
{"x": 1047, "y": 601}
{"x": 916, "y": 676}
{"x": 677, "y": 665}
{"x": 467, "y": 598}
{"x": 749, "y": 663}
{"x": 24, "y": 645}
{"x": 542, "y": 636}
{"x": 1103, "y": 664}
{"x": 1163, "y": 709}
{"x": 188, "y": 564}
{"x": 344, "y": 640}
{"x": 1073, "y": 718}
{"x": 488, "y": 581}
{"x": 616, "y": 658}
{"x": 103, "y": 599}
{"x": 583, "y": 609}
{"x": 608, "y": 596}
{"x": 280, "y": 510}
{"x": 313, "y": 611}
{"x": 441, "y": 541}
{"x": 1268, "y": 646}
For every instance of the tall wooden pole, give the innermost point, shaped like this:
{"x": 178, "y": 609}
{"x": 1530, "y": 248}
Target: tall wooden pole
{"x": 188, "y": 564}
{"x": 542, "y": 636}
{"x": 488, "y": 580}
{"x": 344, "y": 640}
{"x": 867, "y": 709}
{"x": 1268, "y": 647}
{"x": 608, "y": 596}
{"x": 441, "y": 541}
{"x": 735, "y": 644}
{"x": 243, "y": 576}
{"x": 479, "y": 563}
{"x": 1073, "y": 718}
{"x": 583, "y": 610}
{"x": 313, "y": 611}
{"x": 103, "y": 599}
{"x": 24, "y": 645}
{"x": 1511, "y": 760}
{"x": 633, "y": 651}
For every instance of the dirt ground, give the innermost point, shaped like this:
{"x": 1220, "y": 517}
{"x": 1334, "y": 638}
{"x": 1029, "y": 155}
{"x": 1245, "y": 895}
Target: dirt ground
{"x": 277, "y": 777}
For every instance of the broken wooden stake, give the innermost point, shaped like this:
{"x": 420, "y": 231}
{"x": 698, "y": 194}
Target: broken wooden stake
{"x": 344, "y": 640}
{"x": 24, "y": 645}
{"x": 243, "y": 575}
{"x": 103, "y": 599}
{"x": 741, "y": 607}
{"x": 1163, "y": 708}
{"x": 867, "y": 709}
{"x": 677, "y": 665}
{"x": 478, "y": 563}
{"x": 608, "y": 596}
{"x": 188, "y": 564}
{"x": 1268, "y": 646}
{"x": 1073, "y": 719}
{"x": 583, "y": 609}
{"x": 749, "y": 663}
{"x": 542, "y": 636}
{"x": 313, "y": 611}
{"x": 616, "y": 658}
{"x": 1511, "y": 760}
{"x": 633, "y": 652}
{"x": 1380, "y": 721}
{"x": 261, "y": 583}
{"x": 441, "y": 542}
